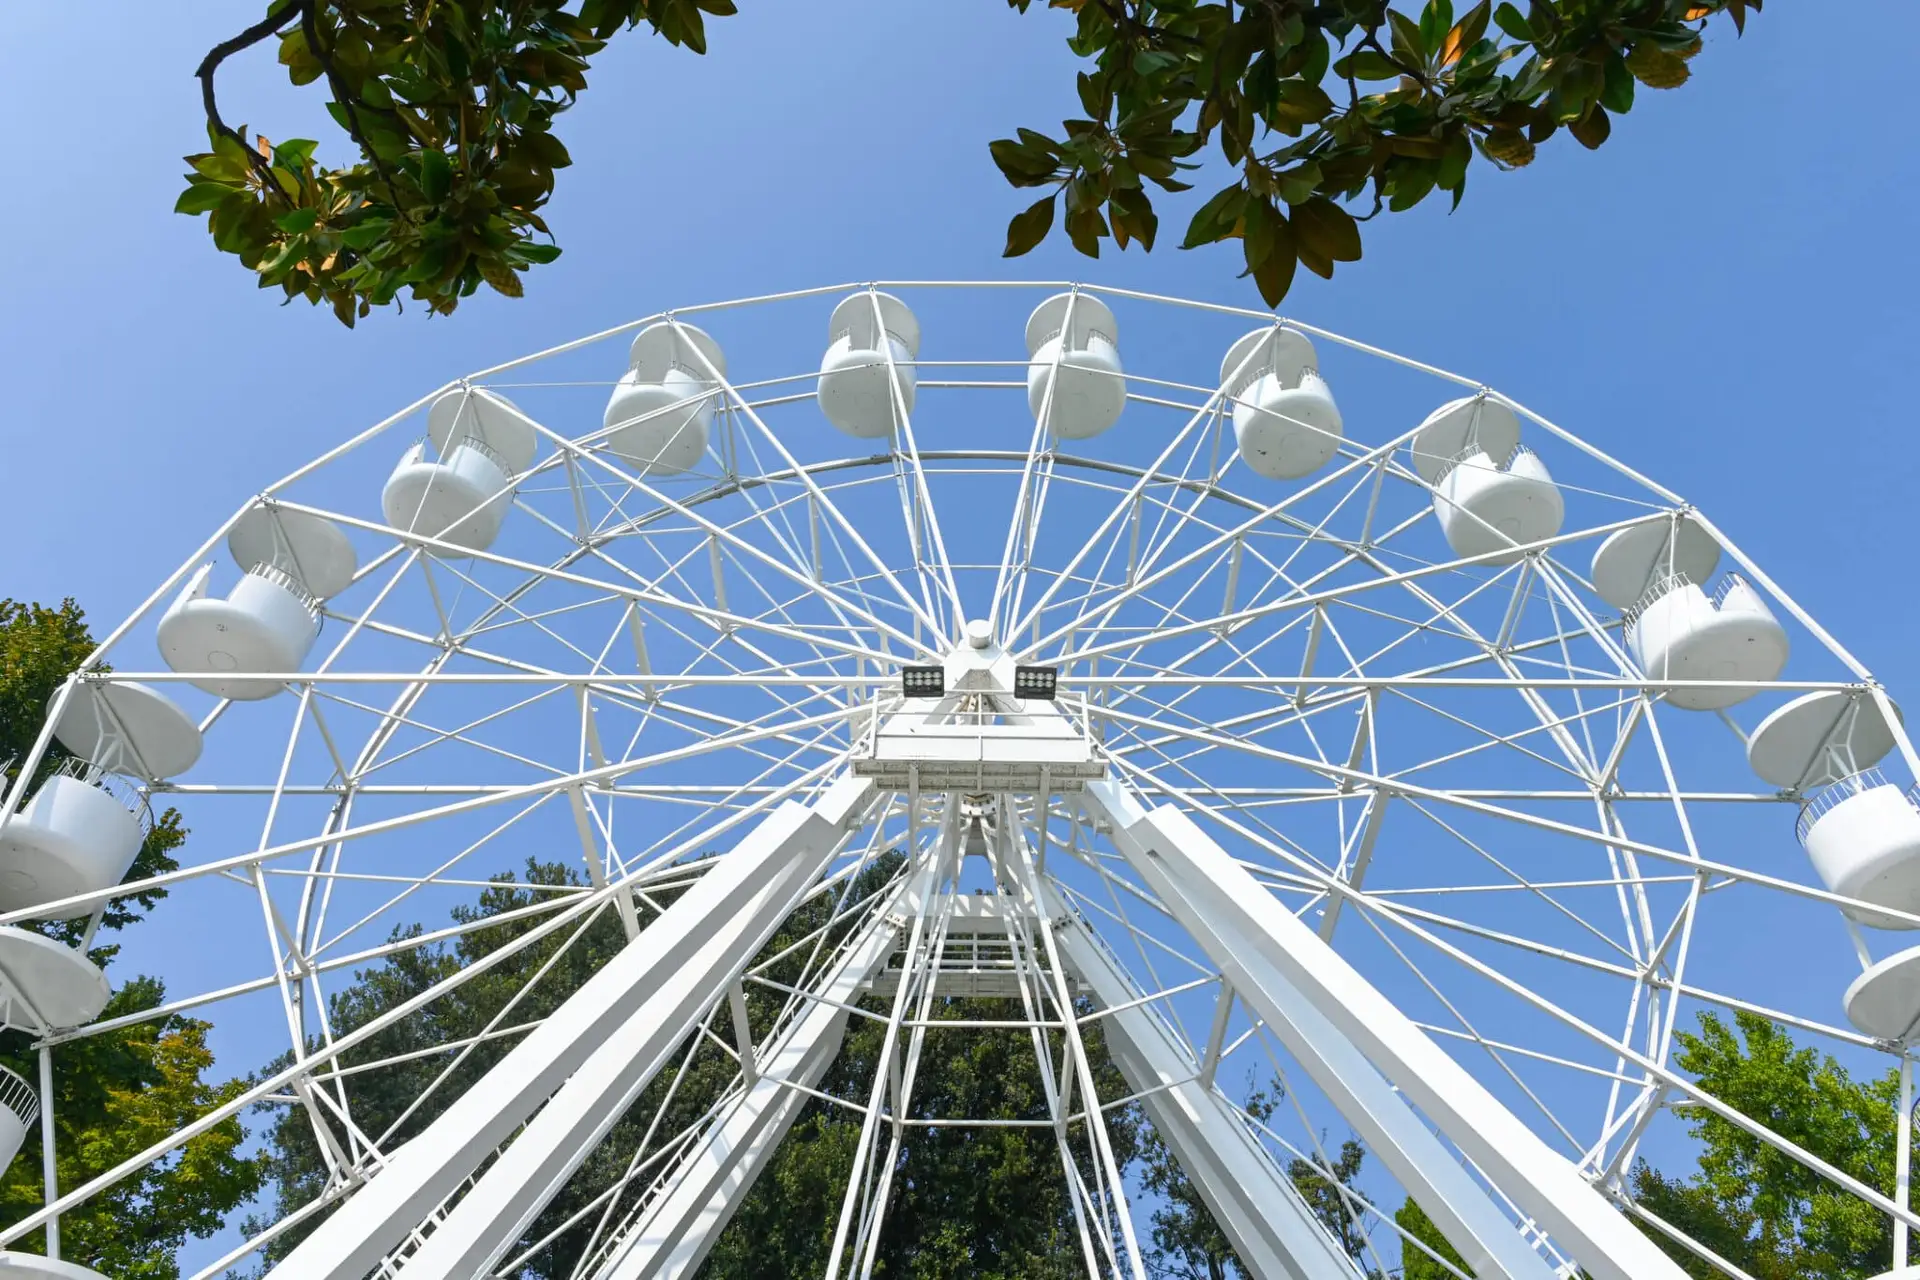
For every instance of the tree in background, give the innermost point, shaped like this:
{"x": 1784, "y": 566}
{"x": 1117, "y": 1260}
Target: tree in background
{"x": 1761, "y": 1210}
{"x": 1319, "y": 107}
{"x": 1188, "y": 1243}
{"x": 1418, "y": 1265}
{"x": 988, "y": 1204}
{"x": 118, "y": 1092}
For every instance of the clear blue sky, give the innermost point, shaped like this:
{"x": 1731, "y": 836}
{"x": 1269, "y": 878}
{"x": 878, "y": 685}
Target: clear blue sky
{"x": 1718, "y": 297}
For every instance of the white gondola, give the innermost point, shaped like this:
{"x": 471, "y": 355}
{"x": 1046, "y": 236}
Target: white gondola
{"x": 1884, "y": 1002}
{"x": 1863, "y": 835}
{"x": 1633, "y": 559}
{"x": 19, "y": 1108}
{"x": 1821, "y": 737}
{"x": 1679, "y": 632}
{"x": 128, "y": 727}
{"x": 268, "y": 622}
{"x": 34, "y": 1266}
{"x": 1284, "y": 417}
{"x": 481, "y": 442}
{"x": 46, "y": 985}
{"x": 79, "y": 834}
{"x": 873, "y": 340}
{"x": 1077, "y": 332}
{"x": 1491, "y": 494}
{"x": 661, "y": 410}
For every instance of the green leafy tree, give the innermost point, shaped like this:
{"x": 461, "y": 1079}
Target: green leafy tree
{"x": 1416, "y": 1265}
{"x": 1319, "y": 106}
{"x": 1761, "y": 1210}
{"x": 1188, "y": 1243}
{"x": 983, "y": 1203}
{"x": 119, "y": 1092}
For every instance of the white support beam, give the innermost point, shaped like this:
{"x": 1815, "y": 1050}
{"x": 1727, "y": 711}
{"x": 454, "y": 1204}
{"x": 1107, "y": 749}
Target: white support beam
{"x": 1273, "y": 1231}
{"x": 672, "y": 1237}
{"x": 511, "y": 1193}
{"x": 419, "y": 1176}
{"x": 1372, "y": 1062}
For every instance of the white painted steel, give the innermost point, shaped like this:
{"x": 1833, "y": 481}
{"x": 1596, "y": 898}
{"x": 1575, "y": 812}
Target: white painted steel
{"x": 633, "y": 639}
{"x": 1279, "y": 962}
{"x": 1258, "y": 1207}
{"x": 418, "y": 1178}
{"x": 680, "y": 1224}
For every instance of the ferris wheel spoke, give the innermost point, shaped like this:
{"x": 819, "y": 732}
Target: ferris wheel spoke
{"x": 1358, "y": 688}
{"x": 826, "y": 505}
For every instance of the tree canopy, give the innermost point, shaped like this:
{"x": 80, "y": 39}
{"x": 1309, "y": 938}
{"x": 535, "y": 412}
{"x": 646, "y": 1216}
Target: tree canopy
{"x": 116, "y": 1093}
{"x": 1327, "y": 113}
{"x": 1764, "y": 1212}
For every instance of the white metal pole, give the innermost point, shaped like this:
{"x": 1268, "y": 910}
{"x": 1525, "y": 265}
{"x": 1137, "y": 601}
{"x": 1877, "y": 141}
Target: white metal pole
{"x": 1903, "y": 1157}
{"x": 49, "y": 1157}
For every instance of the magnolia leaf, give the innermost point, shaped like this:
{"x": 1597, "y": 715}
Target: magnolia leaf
{"x": 1656, "y": 68}
{"x": 1274, "y": 277}
{"x": 1616, "y": 94}
{"x": 1511, "y": 21}
{"x": 502, "y": 277}
{"x": 1327, "y": 229}
{"x": 1435, "y": 21}
{"x": 1029, "y": 228}
{"x": 436, "y": 175}
{"x": 1509, "y": 147}
{"x": 203, "y": 197}
{"x": 1593, "y": 128}
{"x": 1216, "y": 218}
{"x": 1407, "y": 45}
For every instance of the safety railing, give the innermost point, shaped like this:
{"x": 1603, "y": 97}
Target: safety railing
{"x": 118, "y": 785}
{"x": 1253, "y": 373}
{"x": 1656, "y": 589}
{"x": 1727, "y": 584}
{"x": 1822, "y": 802}
{"x": 17, "y": 1096}
{"x": 288, "y": 583}
{"x": 848, "y": 333}
{"x": 1474, "y": 449}
{"x": 1075, "y": 709}
{"x": 485, "y": 450}
{"x": 1091, "y": 333}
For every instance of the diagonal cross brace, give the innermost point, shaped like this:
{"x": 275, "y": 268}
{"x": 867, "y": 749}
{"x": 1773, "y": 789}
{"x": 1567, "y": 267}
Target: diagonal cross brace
{"x": 1273, "y": 1231}
{"x": 733, "y": 898}
{"x": 1372, "y": 1061}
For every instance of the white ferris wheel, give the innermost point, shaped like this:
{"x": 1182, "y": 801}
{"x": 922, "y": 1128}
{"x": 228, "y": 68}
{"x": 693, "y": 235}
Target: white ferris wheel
{"x": 1413, "y": 752}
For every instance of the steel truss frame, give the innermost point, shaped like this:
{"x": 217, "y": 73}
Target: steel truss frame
{"x": 1238, "y": 865}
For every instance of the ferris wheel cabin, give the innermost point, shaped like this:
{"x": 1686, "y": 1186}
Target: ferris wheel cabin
{"x": 1491, "y": 493}
{"x": 661, "y": 411}
{"x": 1078, "y": 335}
{"x": 290, "y": 562}
{"x": 1284, "y": 417}
{"x": 873, "y": 340}
{"x": 481, "y": 442}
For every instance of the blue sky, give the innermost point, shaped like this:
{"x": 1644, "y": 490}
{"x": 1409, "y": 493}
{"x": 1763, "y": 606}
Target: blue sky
{"x": 1718, "y": 297}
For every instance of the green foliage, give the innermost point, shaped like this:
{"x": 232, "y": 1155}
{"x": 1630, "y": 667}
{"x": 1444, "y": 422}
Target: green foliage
{"x": 393, "y": 1103}
{"x": 982, "y": 1203}
{"x": 1286, "y": 90}
{"x": 119, "y": 1092}
{"x": 1760, "y": 1209}
{"x": 450, "y": 106}
{"x": 1415, "y": 1265}
{"x": 116, "y": 1094}
{"x": 1188, "y": 1243}
{"x": 39, "y": 648}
